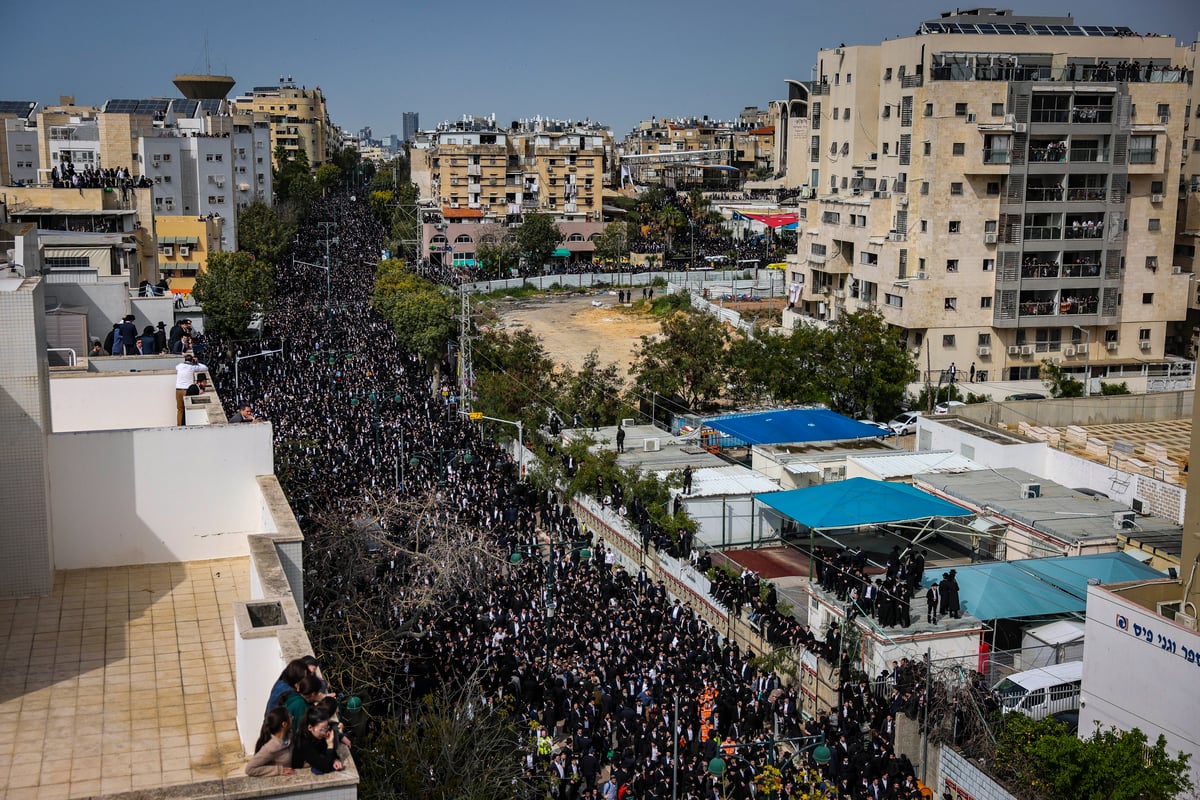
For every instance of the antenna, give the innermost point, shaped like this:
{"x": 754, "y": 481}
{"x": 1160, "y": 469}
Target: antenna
{"x": 207, "y": 64}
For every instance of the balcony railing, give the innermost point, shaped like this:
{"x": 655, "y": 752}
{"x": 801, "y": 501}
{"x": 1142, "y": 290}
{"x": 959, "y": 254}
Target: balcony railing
{"x": 1087, "y": 194}
{"x": 1143, "y": 156}
{"x": 1069, "y": 305}
{"x": 1044, "y": 194}
{"x": 1036, "y": 232}
{"x": 1039, "y": 271}
{"x": 992, "y": 156}
{"x": 1091, "y": 115}
{"x": 1086, "y": 229}
{"x": 1049, "y": 115}
{"x": 1088, "y": 270}
{"x": 1048, "y": 153}
{"x": 1089, "y": 154}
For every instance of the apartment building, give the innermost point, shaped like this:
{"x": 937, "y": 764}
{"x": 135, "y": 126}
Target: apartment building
{"x": 298, "y": 117}
{"x": 18, "y": 142}
{"x": 476, "y": 179}
{"x": 996, "y": 186}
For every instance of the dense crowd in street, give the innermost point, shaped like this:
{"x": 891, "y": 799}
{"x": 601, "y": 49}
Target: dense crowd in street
{"x": 621, "y": 676}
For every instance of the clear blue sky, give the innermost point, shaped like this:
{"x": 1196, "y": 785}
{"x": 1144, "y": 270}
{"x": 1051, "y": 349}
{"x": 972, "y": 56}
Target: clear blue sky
{"x": 616, "y": 61}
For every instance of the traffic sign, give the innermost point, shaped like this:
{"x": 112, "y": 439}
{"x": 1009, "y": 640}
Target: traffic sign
{"x": 475, "y": 415}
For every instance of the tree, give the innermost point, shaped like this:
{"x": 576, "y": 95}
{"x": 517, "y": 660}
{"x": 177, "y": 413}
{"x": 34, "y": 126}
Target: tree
{"x": 537, "y": 238}
{"x": 1041, "y": 760}
{"x": 262, "y": 232}
{"x": 328, "y": 176}
{"x": 421, "y": 312}
{"x": 1057, "y": 382}
{"x": 671, "y": 220}
{"x": 456, "y": 746}
{"x": 595, "y": 389}
{"x": 686, "y": 361}
{"x": 293, "y": 180}
{"x": 613, "y": 244}
{"x": 779, "y": 367}
{"x": 867, "y": 369}
{"x": 233, "y": 288}
{"x": 513, "y": 376}
{"x": 496, "y": 253}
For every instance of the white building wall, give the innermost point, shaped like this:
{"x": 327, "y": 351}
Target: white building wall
{"x": 120, "y": 401}
{"x": 23, "y": 153}
{"x": 724, "y": 521}
{"x": 1142, "y": 671}
{"x": 160, "y": 160}
{"x": 166, "y": 494}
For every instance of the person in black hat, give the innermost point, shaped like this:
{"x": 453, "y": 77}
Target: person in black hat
{"x": 160, "y": 338}
{"x": 129, "y": 335}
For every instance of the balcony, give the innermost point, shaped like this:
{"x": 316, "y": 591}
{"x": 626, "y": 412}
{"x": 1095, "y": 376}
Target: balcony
{"x": 1143, "y": 156}
{"x": 1041, "y": 232}
{"x": 1091, "y": 115}
{"x": 1089, "y": 155}
{"x": 993, "y": 156}
{"x": 1039, "y": 270}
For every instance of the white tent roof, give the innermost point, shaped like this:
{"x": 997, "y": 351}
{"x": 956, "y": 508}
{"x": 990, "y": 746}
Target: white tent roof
{"x": 728, "y": 481}
{"x": 1064, "y": 631}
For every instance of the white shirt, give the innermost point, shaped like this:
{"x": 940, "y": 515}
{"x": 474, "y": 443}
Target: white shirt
{"x": 185, "y": 374}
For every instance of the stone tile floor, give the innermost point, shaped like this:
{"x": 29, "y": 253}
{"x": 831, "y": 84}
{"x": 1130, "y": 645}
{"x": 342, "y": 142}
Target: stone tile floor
{"x": 121, "y": 679}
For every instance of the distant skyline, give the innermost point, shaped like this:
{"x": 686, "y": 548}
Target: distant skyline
{"x": 616, "y": 62}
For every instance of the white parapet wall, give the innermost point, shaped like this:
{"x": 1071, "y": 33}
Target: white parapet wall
{"x": 164, "y": 494}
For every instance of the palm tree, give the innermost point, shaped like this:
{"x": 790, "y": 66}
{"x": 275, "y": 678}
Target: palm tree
{"x": 671, "y": 219}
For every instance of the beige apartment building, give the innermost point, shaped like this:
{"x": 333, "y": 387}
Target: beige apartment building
{"x": 1003, "y": 189}
{"x": 477, "y": 179}
{"x": 298, "y": 116}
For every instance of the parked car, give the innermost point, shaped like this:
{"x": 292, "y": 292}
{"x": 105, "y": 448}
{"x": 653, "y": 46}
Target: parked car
{"x": 905, "y": 423}
{"x": 1026, "y": 396}
{"x": 1040, "y": 692}
{"x": 944, "y": 408}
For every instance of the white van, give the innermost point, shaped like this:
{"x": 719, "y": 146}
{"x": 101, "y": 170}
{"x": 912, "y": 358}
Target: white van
{"x": 1040, "y": 692}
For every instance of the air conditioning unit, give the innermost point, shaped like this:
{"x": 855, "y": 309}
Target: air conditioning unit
{"x": 989, "y": 238}
{"x": 1110, "y": 346}
{"x": 840, "y": 294}
{"x": 1026, "y": 349}
{"x": 1014, "y": 349}
{"x": 856, "y": 191}
{"x": 921, "y": 276}
{"x": 1176, "y": 270}
{"x": 652, "y": 445}
{"x": 1068, "y": 351}
{"x": 970, "y": 117}
{"x": 1030, "y": 490}
{"x": 1156, "y": 198}
{"x": 1144, "y": 344}
{"x": 833, "y": 190}
{"x": 903, "y": 199}
{"x": 184, "y": 251}
{"x": 1055, "y": 359}
{"x": 1081, "y": 349}
{"x": 1020, "y": 127}
{"x": 1137, "y": 505}
{"x": 983, "y": 351}
{"x": 243, "y": 187}
{"x": 1123, "y": 519}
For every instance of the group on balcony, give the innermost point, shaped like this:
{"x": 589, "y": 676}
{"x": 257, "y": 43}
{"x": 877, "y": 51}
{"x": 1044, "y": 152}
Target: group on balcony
{"x": 1086, "y": 229}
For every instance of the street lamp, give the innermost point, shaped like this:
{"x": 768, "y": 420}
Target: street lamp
{"x": 237, "y": 360}
{"x": 477, "y": 415}
{"x": 443, "y": 458}
{"x": 1087, "y": 360}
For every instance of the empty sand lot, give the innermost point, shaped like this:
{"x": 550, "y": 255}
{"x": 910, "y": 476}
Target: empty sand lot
{"x": 570, "y": 327}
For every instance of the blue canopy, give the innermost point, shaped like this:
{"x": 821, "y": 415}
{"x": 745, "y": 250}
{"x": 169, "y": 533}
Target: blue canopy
{"x": 1036, "y": 587}
{"x": 789, "y": 426}
{"x": 859, "y": 501}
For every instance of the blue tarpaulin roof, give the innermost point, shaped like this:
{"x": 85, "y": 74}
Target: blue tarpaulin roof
{"x": 788, "y": 426}
{"x": 859, "y": 501}
{"x": 1038, "y": 587}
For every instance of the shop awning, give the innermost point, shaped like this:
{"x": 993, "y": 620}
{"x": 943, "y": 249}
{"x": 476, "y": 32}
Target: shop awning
{"x": 562, "y": 252}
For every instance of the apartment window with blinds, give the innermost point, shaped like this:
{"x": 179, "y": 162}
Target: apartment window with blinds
{"x": 816, "y": 116}
{"x": 905, "y": 149}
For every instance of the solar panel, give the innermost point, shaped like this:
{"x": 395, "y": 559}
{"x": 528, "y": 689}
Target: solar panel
{"x": 1041, "y": 29}
{"x": 21, "y": 108}
{"x": 210, "y": 106}
{"x": 1058, "y": 30}
{"x": 1094, "y": 30}
{"x": 985, "y": 28}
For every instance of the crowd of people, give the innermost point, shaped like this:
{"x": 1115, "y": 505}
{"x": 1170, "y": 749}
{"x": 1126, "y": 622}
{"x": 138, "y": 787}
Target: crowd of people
{"x": 616, "y": 680}
{"x": 66, "y": 176}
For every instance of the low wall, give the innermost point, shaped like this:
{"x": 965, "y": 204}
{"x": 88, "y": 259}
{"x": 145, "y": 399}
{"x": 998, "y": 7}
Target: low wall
{"x": 1084, "y": 410}
{"x": 962, "y": 780}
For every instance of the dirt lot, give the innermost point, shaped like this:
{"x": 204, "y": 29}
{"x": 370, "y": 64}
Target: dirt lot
{"x": 570, "y": 327}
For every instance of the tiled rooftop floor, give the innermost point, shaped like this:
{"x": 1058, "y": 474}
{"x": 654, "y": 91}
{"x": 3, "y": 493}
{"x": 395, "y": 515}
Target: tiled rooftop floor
{"x": 1173, "y": 434}
{"x": 121, "y": 679}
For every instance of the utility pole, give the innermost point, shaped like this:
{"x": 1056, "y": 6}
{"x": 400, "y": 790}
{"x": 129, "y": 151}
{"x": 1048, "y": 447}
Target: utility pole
{"x": 327, "y": 241}
{"x": 465, "y": 368}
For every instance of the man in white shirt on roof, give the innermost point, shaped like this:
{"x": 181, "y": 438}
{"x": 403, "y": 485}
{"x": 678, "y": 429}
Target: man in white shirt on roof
{"x": 185, "y": 376}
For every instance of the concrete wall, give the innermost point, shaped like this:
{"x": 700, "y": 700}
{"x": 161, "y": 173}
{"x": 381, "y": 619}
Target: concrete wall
{"x": 1084, "y": 411}
{"x": 117, "y": 401}
{"x": 107, "y": 301}
{"x": 1139, "y": 643}
{"x": 145, "y": 493}
{"x": 1029, "y": 456}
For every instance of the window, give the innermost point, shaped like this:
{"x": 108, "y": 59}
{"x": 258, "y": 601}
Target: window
{"x": 1147, "y": 298}
{"x": 1143, "y": 335}
{"x": 887, "y": 111}
{"x": 1063, "y": 691}
{"x": 846, "y": 113}
{"x": 1155, "y": 225}
{"x": 817, "y": 249}
{"x": 1164, "y": 111}
{"x": 924, "y": 226}
{"x": 948, "y": 340}
{"x": 887, "y": 74}
{"x": 993, "y": 188}
{"x": 849, "y": 77}
{"x": 831, "y": 217}
{"x": 893, "y": 300}
{"x": 1152, "y": 262}
{"x": 951, "y": 303}
{"x": 1156, "y": 187}
{"x": 956, "y": 188}
{"x": 887, "y": 146}
{"x": 871, "y": 259}
{"x": 816, "y": 117}
{"x": 208, "y": 157}
{"x": 955, "y": 226}
{"x": 997, "y": 109}
{"x": 836, "y": 112}
{"x": 924, "y": 187}
{"x": 989, "y": 226}
{"x": 166, "y": 156}
{"x": 959, "y": 148}
{"x": 952, "y": 265}
{"x": 985, "y": 302}
{"x": 212, "y": 198}
{"x": 927, "y": 149}
{"x": 929, "y": 109}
